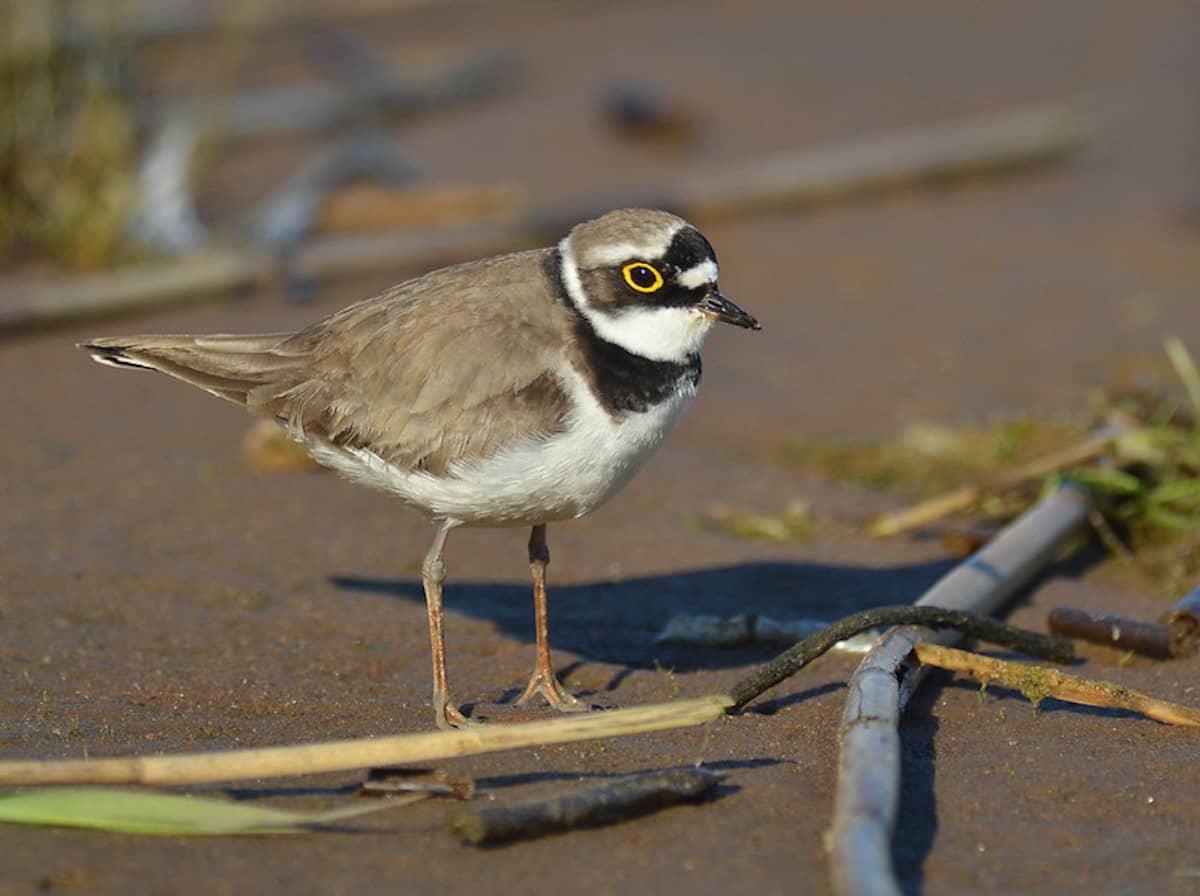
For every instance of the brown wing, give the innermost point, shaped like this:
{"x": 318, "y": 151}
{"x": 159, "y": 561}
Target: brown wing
{"x": 449, "y": 366}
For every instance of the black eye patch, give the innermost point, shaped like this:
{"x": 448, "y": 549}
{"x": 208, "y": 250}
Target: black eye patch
{"x": 688, "y": 249}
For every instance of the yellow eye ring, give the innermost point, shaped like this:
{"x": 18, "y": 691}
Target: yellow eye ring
{"x": 642, "y": 277}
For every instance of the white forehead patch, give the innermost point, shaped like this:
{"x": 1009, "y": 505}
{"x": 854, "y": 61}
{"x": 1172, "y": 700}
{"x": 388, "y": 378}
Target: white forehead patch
{"x": 615, "y": 253}
{"x": 701, "y": 275}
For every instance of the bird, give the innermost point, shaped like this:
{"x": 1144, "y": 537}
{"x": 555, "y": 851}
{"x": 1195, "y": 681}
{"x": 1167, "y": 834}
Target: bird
{"x": 513, "y": 391}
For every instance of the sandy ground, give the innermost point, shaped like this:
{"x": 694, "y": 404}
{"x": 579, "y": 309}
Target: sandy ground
{"x": 156, "y": 595}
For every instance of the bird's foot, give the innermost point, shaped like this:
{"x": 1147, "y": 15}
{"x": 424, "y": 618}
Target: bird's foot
{"x": 544, "y": 682}
{"x": 448, "y": 716}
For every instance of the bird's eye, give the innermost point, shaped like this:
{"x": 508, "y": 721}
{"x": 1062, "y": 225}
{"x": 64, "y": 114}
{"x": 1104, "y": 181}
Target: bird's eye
{"x": 642, "y": 276}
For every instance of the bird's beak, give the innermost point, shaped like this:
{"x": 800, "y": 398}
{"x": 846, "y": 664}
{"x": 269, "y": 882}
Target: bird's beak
{"x": 717, "y": 307}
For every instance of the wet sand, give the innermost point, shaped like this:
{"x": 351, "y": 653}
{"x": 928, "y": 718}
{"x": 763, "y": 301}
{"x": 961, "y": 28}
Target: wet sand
{"x": 157, "y": 595}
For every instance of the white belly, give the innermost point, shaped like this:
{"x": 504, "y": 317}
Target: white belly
{"x": 532, "y": 481}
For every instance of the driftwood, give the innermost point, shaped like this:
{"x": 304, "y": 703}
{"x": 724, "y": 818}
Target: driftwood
{"x": 868, "y": 787}
{"x": 618, "y": 800}
{"x": 798, "y": 179}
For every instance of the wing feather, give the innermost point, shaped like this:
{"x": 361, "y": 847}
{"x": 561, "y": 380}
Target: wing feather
{"x": 449, "y": 366}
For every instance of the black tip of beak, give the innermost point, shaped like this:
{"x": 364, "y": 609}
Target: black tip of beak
{"x": 720, "y": 308}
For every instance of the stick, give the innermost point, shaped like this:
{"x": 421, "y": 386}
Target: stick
{"x": 275, "y": 112}
{"x": 243, "y": 765}
{"x": 868, "y": 787}
{"x": 1152, "y": 639}
{"x": 288, "y": 215}
{"x": 1040, "y": 682}
{"x": 799, "y": 179}
{"x": 1176, "y": 634}
{"x": 362, "y": 208}
{"x": 624, "y": 798}
{"x": 880, "y": 165}
{"x": 167, "y": 19}
{"x": 235, "y": 765}
{"x": 797, "y": 657}
{"x": 960, "y": 499}
{"x": 221, "y": 271}
{"x": 165, "y": 217}
{"x": 1184, "y": 621}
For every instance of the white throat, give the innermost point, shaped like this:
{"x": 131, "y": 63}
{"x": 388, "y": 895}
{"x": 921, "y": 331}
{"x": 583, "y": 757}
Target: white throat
{"x": 660, "y": 334}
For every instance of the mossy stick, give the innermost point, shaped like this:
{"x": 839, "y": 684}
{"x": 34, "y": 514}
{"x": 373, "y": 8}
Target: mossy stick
{"x": 1037, "y": 683}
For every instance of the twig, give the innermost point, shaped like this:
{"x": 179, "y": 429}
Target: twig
{"x": 363, "y": 208}
{"x": 220, "y": 271}
{"x": 234, "y": 765}
{"x": 964, "y": 498}
{"x": 1176, "y": 634}
{"x": 1185, "y": 369}
{"x": 165, "y": 19}
{"x": 256, "y": 114}
{"x": 802, "y": 179}
{"x": 885, "y": 164}
{"x": 1184, "y": 621}
{"x": 868, "y": 786}
{"x": 972, "y": 625}
{"x": 288, "y": 215}
{"x": 390, "y": 781}
{"x": 624, "y": 798}
{"x": 165, "y": 217}
{"x": 1152, "y": 639}
{"x": 1039, "y": 682}
{"x": 242, "y": 765}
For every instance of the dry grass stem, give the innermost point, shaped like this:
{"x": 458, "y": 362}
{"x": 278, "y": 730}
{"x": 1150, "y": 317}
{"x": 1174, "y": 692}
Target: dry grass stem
{"x": 305, "y": 759}
{"x": 964, "y": 498}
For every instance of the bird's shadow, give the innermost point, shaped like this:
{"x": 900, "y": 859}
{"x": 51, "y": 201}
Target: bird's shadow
{"x": 617, "y": 622}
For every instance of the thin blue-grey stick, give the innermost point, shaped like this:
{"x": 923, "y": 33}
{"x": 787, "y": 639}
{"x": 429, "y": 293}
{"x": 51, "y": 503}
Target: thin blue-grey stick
{"x": 868, "y": 788}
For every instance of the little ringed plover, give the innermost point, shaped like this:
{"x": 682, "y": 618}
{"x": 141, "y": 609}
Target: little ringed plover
{"x": 517, "y": 390}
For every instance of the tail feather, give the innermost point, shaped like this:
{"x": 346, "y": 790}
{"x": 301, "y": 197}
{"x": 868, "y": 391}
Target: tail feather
{"x": 229, "y": 367}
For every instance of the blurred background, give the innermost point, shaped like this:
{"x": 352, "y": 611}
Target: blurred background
{"x": 153, "y": 154}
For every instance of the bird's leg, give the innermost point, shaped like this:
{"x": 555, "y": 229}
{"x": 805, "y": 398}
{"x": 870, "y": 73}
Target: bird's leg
{"x": 543, "y": 680}
{"x": 433, "y": 574}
